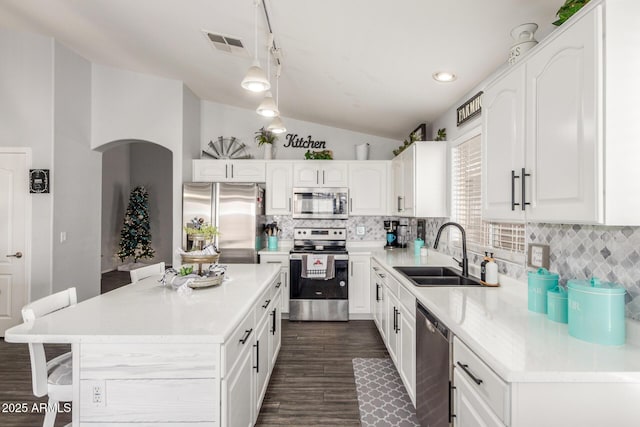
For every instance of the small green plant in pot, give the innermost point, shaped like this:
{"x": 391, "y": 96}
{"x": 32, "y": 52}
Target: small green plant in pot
{"x": 265, "y": 139}
{"x": 200, "y": 233}
{"x": 567, "y": 10}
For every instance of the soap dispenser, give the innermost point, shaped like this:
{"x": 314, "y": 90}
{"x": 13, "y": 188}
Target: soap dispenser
{"x": 483, "y": 267}
{"x": 492, "y": 272}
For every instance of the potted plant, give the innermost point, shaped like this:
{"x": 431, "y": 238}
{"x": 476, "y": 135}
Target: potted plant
{"x": 265, "y": 138}
{"x": 200, "y": 233}
{"x": 568, "y": 9}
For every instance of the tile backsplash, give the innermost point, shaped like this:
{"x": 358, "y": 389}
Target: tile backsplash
{"x": 576, "y": 251}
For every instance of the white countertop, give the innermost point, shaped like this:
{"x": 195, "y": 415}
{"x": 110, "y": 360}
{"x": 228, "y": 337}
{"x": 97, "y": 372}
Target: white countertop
{"x": 519, "y": 345}
{"x": 147, "y": 311}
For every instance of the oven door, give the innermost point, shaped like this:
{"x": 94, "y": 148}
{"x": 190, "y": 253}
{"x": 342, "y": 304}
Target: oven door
{"x": 308, "y": 289}
{"x": 320, "y": 203}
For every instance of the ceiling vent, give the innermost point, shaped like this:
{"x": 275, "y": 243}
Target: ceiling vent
{"x": 227, "y": 44}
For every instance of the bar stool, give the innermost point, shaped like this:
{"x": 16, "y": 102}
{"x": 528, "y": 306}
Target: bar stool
{"x": 55, "y": 377}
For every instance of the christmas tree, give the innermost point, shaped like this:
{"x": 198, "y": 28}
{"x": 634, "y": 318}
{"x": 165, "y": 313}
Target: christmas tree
{"x": 135, "y": 236}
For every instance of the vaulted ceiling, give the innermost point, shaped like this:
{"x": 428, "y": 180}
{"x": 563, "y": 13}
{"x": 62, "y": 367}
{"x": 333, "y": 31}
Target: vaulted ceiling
{"x": 363, "y": 65}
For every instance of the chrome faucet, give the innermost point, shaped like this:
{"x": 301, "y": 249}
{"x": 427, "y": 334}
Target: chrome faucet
{"x": 465, "y": 261}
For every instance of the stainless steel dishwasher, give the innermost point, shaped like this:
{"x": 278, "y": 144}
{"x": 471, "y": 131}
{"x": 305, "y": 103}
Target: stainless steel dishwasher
{"x": 433, "y": 370}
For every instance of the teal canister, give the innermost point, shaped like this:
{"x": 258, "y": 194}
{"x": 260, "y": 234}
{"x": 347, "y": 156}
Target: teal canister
{"x": 557, "y": 304}
{"x": 540, "y": 282}
{"x": 417, "y": 245}
{"x": 596, "y": 311}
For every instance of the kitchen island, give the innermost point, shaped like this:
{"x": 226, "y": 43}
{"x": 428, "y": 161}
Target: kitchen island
{"x": 145, "y": 353}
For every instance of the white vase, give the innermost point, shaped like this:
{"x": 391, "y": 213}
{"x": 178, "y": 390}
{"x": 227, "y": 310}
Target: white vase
{"x": 268, "y": 151}
{"x": 523, "y": 36}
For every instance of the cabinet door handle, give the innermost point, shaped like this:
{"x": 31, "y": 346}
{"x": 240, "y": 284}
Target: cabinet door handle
{"x": 231, "y": 170}
{"x": 524, "y": 176}
{"x": 323, "y": 180}
{"x": 399, "y": 206}
{"x": 351, "y": 268}
{"x": 397, "y": 321}
{"x": 465, "y": 368}
{"x": 317, "y": 176}
{"x": 278, "y": 285}
{"x": 266, "y": 303}
{"x": 289, "y": 204}
{"x": 273, "y": 329}
{"x": 350, "y": 204}
{"x": 513, "y": 190}
{"x": 226, "y": 171}
{"x": 244, "y": 339}
{"x": 377, "y": 292}
{"x": 257, "y": 346}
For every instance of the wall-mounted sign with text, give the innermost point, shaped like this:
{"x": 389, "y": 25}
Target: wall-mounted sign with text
{"x": 295, "y": 141}
{"x": 469, "y": 109}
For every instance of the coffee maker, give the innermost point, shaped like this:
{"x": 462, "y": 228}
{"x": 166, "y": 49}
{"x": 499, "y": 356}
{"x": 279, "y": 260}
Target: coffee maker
{"x": 402, "y": 233}
{"x": 391, "y": 227}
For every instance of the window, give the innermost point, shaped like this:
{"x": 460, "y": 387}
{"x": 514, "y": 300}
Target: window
{"x": 504, "y": 239}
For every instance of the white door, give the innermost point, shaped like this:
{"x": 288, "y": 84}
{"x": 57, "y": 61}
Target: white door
{"x": 14, "y": 199}
{"x": 368, "y": 188}
{"x": 306, "y": 174}
{"x": 564, "y": 143}
{"x": 359, "y": 287}
{"x": 397, "y": 179}
{"x": 408, "y": 171}
{"x": 278, "y": 194}
{"x": 503, "y": 147}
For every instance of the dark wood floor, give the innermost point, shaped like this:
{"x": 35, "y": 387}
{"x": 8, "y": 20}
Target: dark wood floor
{"x": 15, "y": 386}
{"x": 312, "y": 383}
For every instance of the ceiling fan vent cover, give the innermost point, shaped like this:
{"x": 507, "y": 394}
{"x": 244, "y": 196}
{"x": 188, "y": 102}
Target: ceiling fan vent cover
{"x": 227, "y": 44}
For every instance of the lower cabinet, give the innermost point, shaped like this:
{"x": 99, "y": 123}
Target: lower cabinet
{"x": 470, "y": 410}
{"x": 359, "y": 272}
{"x": 283, "y": 260}
{"x": 394, "y": 315}
{"x": 250, "y": 354}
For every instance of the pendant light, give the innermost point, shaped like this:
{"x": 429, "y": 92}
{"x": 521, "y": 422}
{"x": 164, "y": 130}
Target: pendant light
{"x": 268, "y": 107}
{"x": 256, "y": 80}
{"x": 277, "y": 126}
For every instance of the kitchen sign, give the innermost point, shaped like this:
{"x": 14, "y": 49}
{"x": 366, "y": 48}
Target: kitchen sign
{"x": 294, "y": 141}
{"x": 470, "y": 109}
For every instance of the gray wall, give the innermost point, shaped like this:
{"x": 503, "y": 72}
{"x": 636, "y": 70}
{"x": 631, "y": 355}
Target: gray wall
{"x": 76, "y": 181}
{"x": 190, "y": 132}
{"x": 126, "y": 166}
{"x": 115, "y": 194}
{"x": 26, "y": 120}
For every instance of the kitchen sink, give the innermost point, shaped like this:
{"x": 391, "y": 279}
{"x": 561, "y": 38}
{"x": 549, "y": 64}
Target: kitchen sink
{"x": 436, "y": 276}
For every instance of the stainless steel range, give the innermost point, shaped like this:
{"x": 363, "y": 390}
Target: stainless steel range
{"x": 319, "y": 268}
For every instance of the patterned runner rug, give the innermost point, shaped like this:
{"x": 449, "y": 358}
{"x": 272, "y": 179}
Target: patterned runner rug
{"x": 382, "y": 398}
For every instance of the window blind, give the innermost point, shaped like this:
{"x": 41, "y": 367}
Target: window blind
{"x": 466, "y": 205}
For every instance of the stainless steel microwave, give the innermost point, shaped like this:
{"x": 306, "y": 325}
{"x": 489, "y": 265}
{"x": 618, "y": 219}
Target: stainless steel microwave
{"x": 320, "y": 203}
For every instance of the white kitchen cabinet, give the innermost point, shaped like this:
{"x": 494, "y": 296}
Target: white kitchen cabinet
{"x": 578, "y": 124}
{"x": 407, "y": 351}
{"x": 503, "y": 147}
{"x": 564, "y": 135}
{"x": 283, "y": 260}
{"x": 205, "y": 170}
{"x": 240, "y": 391}
{"x": 279, "y": 188}
{"x": 359, "y": 288}
{"x": 262, "y": 359}
{"x": 321, "y": 173}
{"x": 378, "y": 307}
{"x": 275, "y": 330}
{"x": 368, "y": 187}
{"x": 420, "y": 183}
{"x": 392, "y": 327}
{"x": 470, "y": 410}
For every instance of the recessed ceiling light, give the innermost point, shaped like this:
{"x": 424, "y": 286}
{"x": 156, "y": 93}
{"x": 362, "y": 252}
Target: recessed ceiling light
{"x": 444, "y": 76}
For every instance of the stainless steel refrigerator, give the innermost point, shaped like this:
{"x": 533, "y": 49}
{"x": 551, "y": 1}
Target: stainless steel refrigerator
{"x": 237, "y": 209}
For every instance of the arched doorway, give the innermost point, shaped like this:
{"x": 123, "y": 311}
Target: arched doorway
{"x": 125, "y": 165}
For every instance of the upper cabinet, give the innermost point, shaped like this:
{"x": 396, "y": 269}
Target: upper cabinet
{"x": 229, "y": 170}
{"x": 327, "y": 173}
{"x": 368, "y": 187}
{"x": 279, "y": 188}
{"x": 420, "y": 180}
{"x": 559, "y": 126}
{"x": 503, "y": 147}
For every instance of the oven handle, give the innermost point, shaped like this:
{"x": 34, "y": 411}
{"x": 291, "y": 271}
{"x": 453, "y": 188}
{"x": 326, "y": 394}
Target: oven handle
{"x": 335, "y": 257}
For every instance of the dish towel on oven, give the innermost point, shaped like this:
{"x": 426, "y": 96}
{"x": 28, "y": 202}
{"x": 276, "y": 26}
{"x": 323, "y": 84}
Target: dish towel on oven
{"x": 316, "y": 266}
